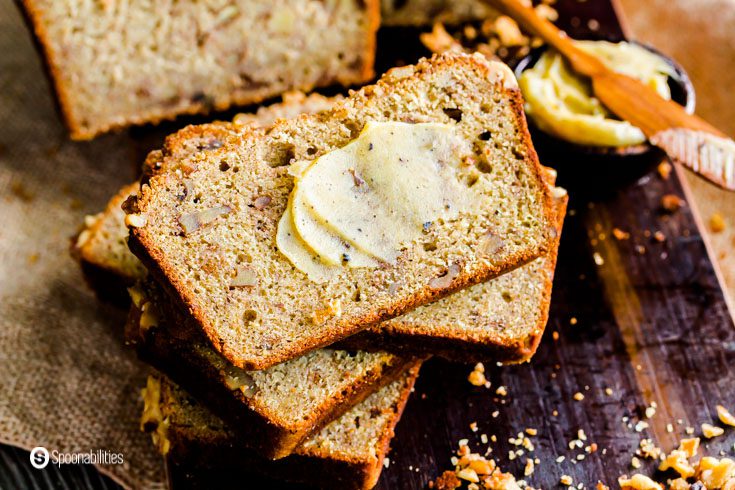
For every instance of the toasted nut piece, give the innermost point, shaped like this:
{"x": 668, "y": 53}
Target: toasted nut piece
{"x": 245, "y": 277}
{"x": 444, "y": 281}
{"x": 709, "y": 431}
{"x": 664, "y": 170}
{"x": 689, "y": 446}
{"x": 638, "y": 482}
{"x": 482, "y": 467}
{"x": 717, "y": 223}
{"x": 677, "y": 461}
{"x": 491, "y": 244}
{"x": 715, "y": 473}
{"x": 191, "y": 222}
{"x": 135, "y": 220}
{"x": 620, "y": 234}
{"x": 679, "y": 484}
{"x": 261, "y": 202}
{"x": 476, "y": 378}
{"x": 725, "y": 416}
{"x": 672, "y": 203}
{"x": 468, "y": 474}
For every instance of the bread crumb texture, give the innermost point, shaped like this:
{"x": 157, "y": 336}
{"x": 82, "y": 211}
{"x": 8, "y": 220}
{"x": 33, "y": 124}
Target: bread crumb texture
{"x": 154, "y": 60}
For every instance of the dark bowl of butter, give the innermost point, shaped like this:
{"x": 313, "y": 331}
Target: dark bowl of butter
{"x": 566, "y": 118}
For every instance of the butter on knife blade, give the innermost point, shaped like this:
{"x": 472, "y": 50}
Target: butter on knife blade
{"x": 711, "y": 156}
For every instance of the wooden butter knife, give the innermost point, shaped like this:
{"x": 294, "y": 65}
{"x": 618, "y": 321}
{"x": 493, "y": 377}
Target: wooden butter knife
{"x": 685, "y": 138}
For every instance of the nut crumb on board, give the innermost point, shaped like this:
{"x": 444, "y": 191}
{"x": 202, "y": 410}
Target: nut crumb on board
{"x": 664, "y": 170}
{"x": 672, "y": 203}
{"x": 477, "y": 375}
{"x": 620, "y": 234}
{"x": 725, "y": 416}
{"x": 709, "y": 431}
{"x": 476, "y": 470}
{"x": 717, "y": 223}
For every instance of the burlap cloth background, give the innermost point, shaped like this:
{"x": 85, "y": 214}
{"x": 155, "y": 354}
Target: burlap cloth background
{"x": 66, "y": 380}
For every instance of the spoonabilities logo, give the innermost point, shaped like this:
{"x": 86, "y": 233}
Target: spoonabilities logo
{"x": 39, "y": 457}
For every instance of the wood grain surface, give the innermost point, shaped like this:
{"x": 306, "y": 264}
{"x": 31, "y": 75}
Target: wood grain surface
{"x": 699, "y": 36}
{"x": 643, "y": 318}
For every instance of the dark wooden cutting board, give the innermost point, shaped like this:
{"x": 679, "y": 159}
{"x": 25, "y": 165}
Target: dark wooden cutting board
{"x": 649, "y": 322}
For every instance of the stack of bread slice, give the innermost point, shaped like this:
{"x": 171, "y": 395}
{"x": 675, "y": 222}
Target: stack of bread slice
{"x": 264, "y": 365}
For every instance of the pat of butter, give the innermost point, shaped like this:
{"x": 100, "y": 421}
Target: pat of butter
{"x": 360, "y": 205}
{"x": 562, "y": 104}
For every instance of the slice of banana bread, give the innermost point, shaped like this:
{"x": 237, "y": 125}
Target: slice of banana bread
{"x": 346, "y": 454}
{"x": 232, "y": 190}
{"x": 273, "y": 410}
{"x": 116, "y": 64}
{"x": 102, "y": 250}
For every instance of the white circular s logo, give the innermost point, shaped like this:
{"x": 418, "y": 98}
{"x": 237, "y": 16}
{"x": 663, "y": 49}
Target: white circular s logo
{"x": 39, "y": 457}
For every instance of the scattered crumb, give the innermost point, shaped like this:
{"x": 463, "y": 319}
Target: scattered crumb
{"x": 447, "y": 481}
{"x": 664, "y": 170}
{"x": 638, "y": 482}
{"x": 647, "y": 449}
{"x": 620, "y": 234}
{"x": 566, "y": 480}
{"x": 640, "y": 249}
{"x": 635, "y": 462}
{"x": 502, "y": 391}
{"x": 710, "y": 431}
{"x": 555, "y": 335}
{"x": 477, "y": 471}
{"x": 717, "y": 223}
{"x": 659, "y": 236}
{"x": 598, "y": 258}
{"x": 672, "y": 203}
{"x": 725, "y": 416}
{"x": 608, "y": 391}
{"x": 477, "y": 376}
{"x": 573, "y": 321}
{"x": 578, "y": 396}
{"x": 689, "y": 446}
{"x": 650, "y": 411}
{"x": 528, "y": 469}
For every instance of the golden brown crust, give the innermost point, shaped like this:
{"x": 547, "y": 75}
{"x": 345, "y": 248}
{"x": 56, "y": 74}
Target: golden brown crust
{"x": 33, "y": 19}
{"x": 360, "y": 75}
{"x": 142, "y": 244}
{"x": 222, "y": 455}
